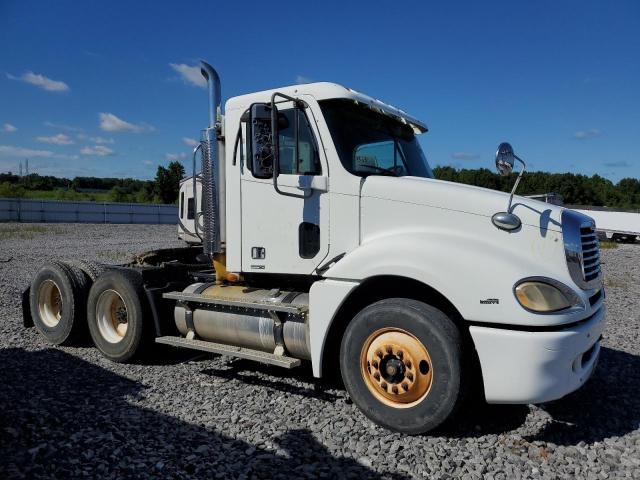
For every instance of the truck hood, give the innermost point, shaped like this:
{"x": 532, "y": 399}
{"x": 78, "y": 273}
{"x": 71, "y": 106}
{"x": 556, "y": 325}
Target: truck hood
{"x": 462, "y": 198}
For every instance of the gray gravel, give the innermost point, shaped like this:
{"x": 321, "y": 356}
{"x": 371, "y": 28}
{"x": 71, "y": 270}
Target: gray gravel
{"x": 67, "y": 412}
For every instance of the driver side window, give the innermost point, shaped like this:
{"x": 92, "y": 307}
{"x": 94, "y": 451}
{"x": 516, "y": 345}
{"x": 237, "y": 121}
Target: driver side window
{"x": 377, "y": 157}
{"x": 308, "y": 158}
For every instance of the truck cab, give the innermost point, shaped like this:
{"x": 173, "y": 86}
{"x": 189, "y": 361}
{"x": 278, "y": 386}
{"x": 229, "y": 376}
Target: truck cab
{"x": 326, "y": 238}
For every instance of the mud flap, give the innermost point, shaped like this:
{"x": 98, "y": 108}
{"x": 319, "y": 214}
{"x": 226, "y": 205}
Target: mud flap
{"x": 27, "y": 321}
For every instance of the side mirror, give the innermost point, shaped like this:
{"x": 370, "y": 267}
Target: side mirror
{"x": 505, "y": 158}
{"x": 261, "y": 147}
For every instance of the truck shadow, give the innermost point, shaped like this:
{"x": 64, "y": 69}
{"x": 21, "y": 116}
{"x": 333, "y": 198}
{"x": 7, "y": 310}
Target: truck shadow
{"x": 608, "y": 405}
{"x": 280, "y": 379}
{"x": 476, "y": 418}
{"x": 63, "y": 417}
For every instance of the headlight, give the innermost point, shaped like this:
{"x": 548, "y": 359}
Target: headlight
{"x": 545, "y": 297}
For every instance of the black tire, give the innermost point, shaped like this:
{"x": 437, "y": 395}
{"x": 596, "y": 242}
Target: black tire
{"x": 130, "y": 345}
{"x": 92, "y": 269}
{"x": 57, "y": 300}
{"x": 438, "y": 335}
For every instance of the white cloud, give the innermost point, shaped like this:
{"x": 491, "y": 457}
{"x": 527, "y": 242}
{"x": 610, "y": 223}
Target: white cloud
{"x": 20, "y": 152}
{"x": 189, "y": 74}
{"x": 148, "y": 163}
{"x": 8, "y": 128}
{"x": 175, "y": 156}
{"x": 101, "y": 140}
{"x": 465, "y": 156}
{"x": 11, "y": 151}
{"x": 97, "y": 150}
{"x": 60, "y": 139}
{"x": 62, "y": 126}
{"x": 190, "y": 142}
{"x": 302, "y": 79}
{"x": 110, "y": 123}
{"x": 41, "y": 81}
{"x": 587, "y": 134}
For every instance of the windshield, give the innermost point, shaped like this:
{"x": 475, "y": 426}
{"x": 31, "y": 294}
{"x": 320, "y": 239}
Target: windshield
{"x": 371, "y": 143}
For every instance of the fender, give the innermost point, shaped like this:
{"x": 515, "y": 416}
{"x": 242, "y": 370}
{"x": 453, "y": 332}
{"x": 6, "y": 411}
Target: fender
{"x": 476, "y": 273}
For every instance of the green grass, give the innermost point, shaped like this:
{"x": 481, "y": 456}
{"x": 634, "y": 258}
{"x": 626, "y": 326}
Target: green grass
{"x": 618, "y": 282}
{"x": 25, "y": 232}
{"x": 608, "y": 244}
{"x": 66, "y": 195}
{"x": 112, "y": 255}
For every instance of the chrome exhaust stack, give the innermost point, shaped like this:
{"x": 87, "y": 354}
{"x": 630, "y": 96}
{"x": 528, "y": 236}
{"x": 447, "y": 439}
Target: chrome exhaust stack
{"x": 212, "y": 202}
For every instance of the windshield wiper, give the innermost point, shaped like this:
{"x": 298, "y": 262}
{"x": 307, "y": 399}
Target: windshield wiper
{"x": 386, "y": 171}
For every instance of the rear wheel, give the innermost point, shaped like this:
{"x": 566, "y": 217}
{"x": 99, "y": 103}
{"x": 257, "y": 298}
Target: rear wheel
{"x": 401, "y": 360}
{"x": 117, "y": 311}
{"x": 57, "y": 302}
{"x": 92, "y": 269}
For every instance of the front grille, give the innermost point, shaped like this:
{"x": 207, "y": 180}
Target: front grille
{"x": 581, "y": 249}
{"x": 590, "y": 253}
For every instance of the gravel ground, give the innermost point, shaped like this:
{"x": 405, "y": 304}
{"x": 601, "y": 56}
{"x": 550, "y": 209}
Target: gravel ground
{"x": 67, "y": 412}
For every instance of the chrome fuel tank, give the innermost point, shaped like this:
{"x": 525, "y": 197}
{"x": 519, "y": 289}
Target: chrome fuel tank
{"x": 246, "y": 327}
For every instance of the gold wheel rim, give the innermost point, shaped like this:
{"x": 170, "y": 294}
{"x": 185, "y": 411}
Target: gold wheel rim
{"x": 50, "y": 303}
{"x": 396, "y": 367}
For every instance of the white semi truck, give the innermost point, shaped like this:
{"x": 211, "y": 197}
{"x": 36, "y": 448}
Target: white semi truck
{"x": 321, "y": 236}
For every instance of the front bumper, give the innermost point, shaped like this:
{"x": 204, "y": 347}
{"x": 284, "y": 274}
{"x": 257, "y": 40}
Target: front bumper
{"x": 537, "y": 366}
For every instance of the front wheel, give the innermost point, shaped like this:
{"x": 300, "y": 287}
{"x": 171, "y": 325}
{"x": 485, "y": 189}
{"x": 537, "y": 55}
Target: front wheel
{"x": 401, "y": 363}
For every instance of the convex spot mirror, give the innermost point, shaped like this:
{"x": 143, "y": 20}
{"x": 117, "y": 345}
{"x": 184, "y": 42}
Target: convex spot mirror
{"x": 505, "y": 158}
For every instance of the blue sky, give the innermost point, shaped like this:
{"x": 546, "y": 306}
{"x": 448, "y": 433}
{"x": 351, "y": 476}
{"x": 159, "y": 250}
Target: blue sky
{"x": 103, "y": 88}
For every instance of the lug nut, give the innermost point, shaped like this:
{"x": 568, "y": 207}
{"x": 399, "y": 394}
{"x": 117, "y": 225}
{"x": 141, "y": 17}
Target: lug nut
{"x": 389, "y": 349}
{"x": 375, "y": 364}
{"x": 395, "y": 390}
{"x": 400, "y": 354}
{"x": 379, "y": 353}
{"x": 376, "y": 375}
{"x": 410, "y": 376}
{"x": 405, "y": 386}
{"x": 408, "y": 363}
{"x": 384, "y": 385}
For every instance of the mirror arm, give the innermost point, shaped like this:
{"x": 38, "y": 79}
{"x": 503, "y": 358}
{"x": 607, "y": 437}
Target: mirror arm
{"x": 515, "y": 185}
{"x": 275, "y": 146}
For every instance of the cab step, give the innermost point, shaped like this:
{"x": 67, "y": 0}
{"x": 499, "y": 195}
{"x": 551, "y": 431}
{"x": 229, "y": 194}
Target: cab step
{"x": 230, "y": 350}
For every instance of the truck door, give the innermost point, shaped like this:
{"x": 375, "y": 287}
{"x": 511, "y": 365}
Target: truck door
{"x": 282, "y": 233}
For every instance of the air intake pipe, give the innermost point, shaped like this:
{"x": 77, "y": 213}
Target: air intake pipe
{"x": 212, "y": 168}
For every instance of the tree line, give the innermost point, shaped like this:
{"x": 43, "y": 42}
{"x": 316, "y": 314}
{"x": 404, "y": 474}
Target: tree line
{"x": 575, "y": 189}
{"x": 163, "y": 189}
